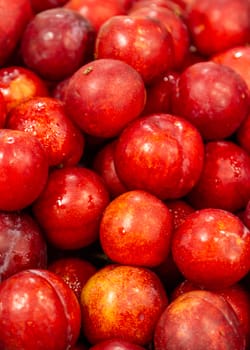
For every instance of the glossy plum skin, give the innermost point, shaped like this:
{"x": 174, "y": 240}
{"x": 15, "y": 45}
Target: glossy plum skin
{"x": 225, "y": 179}
{"x": 238, "y": 58}
{"x": 46, "y": 119}
{"x": 15, "y": 15}
{"x": 19, "y": 83}
{"x": 124, "y": 302}
{"x": 63, "y": 36}
{"x": 22, "y": 244}
{"x": 209, "y": 323}
{"x": 142, "y": 42}
{"x": 70, "y": 207}
{"x": 123, "y": 237}
{"x": 212, "y": 248}
{"x": 236, "y": 295}
{"x": 161, "y": 154}
{"x": 74, "y": 271}
{"x": 103, "y": 96}
{"x": 38, "y": 311}
{"x": 24, "y": 169}
{"x": 175, "y": 25}
{"x": 212, "y": 97}
{"x": 217, "y": 25}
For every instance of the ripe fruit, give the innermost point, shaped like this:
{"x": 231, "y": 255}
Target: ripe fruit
{"x": 63, "y": 36}
{"x": 20, "y": 83}
{"x": 123, "y": 237}
{"x": 123, "y": 302}
{"x": 24, "y": 169}
{"x": 225, "y": 178}
{"x": 161, "y": 154}
{"x": 15, "y": 15}
{"x": 212, "y": 97}
{"x": 70, "y": 207}
{"x": 103, "y": 96}
{"x": 199, "y": 320}
{"x": 212, "y": 248}
{"x": 217, "y": 25}
{"x": 142, "y": 42}
{"x": 46, "y": 119}
{"x": 38, "y": 311}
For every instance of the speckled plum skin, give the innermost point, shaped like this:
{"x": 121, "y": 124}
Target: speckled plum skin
{"x": 103, "y": 96}
{"x": 74, "y": 271}
{"x": 212, "y": 248}
{"x": 199, "y": 320}
{"x": 46, "y": 119}
{"x": 38, "y": 311}
{"x": 160, "y": 153}
{"x": 124, "y": 302}
{"x": 126, "y": 240}
{"x": 213, "y": 97}
{"x": 18, "y": 83}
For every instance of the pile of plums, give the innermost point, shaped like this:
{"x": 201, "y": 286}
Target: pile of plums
{"x": 124, "y": 175}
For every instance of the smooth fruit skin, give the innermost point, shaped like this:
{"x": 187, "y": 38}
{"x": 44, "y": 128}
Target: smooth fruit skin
{"x": 175, "y": 25}
{"x": 70, "y": 207}
{"x": 38, "y": 311}
{"x": 56, "y": 42}
{"x": 238, "y": 58}
{"x": 15, "y": 15}
{"x": 97, "y": 11}
{"x": 24, "y": 169}
{"x": 225, "y": 178}
{"x": 22, "y": 244}
{"x": 126, "y": 240}
{"x": 213, "y": 97}
{"x": 212, "y": 248}
{"x": 217, "y": 25}
{"x": 199, "y": 320}
{"x": 236, "y": 295}
{"x": 142, "y": 42}
{"x": 160, "y": 153}
{"x": 103, "y": 96}
{"x": 124, "y": 302}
